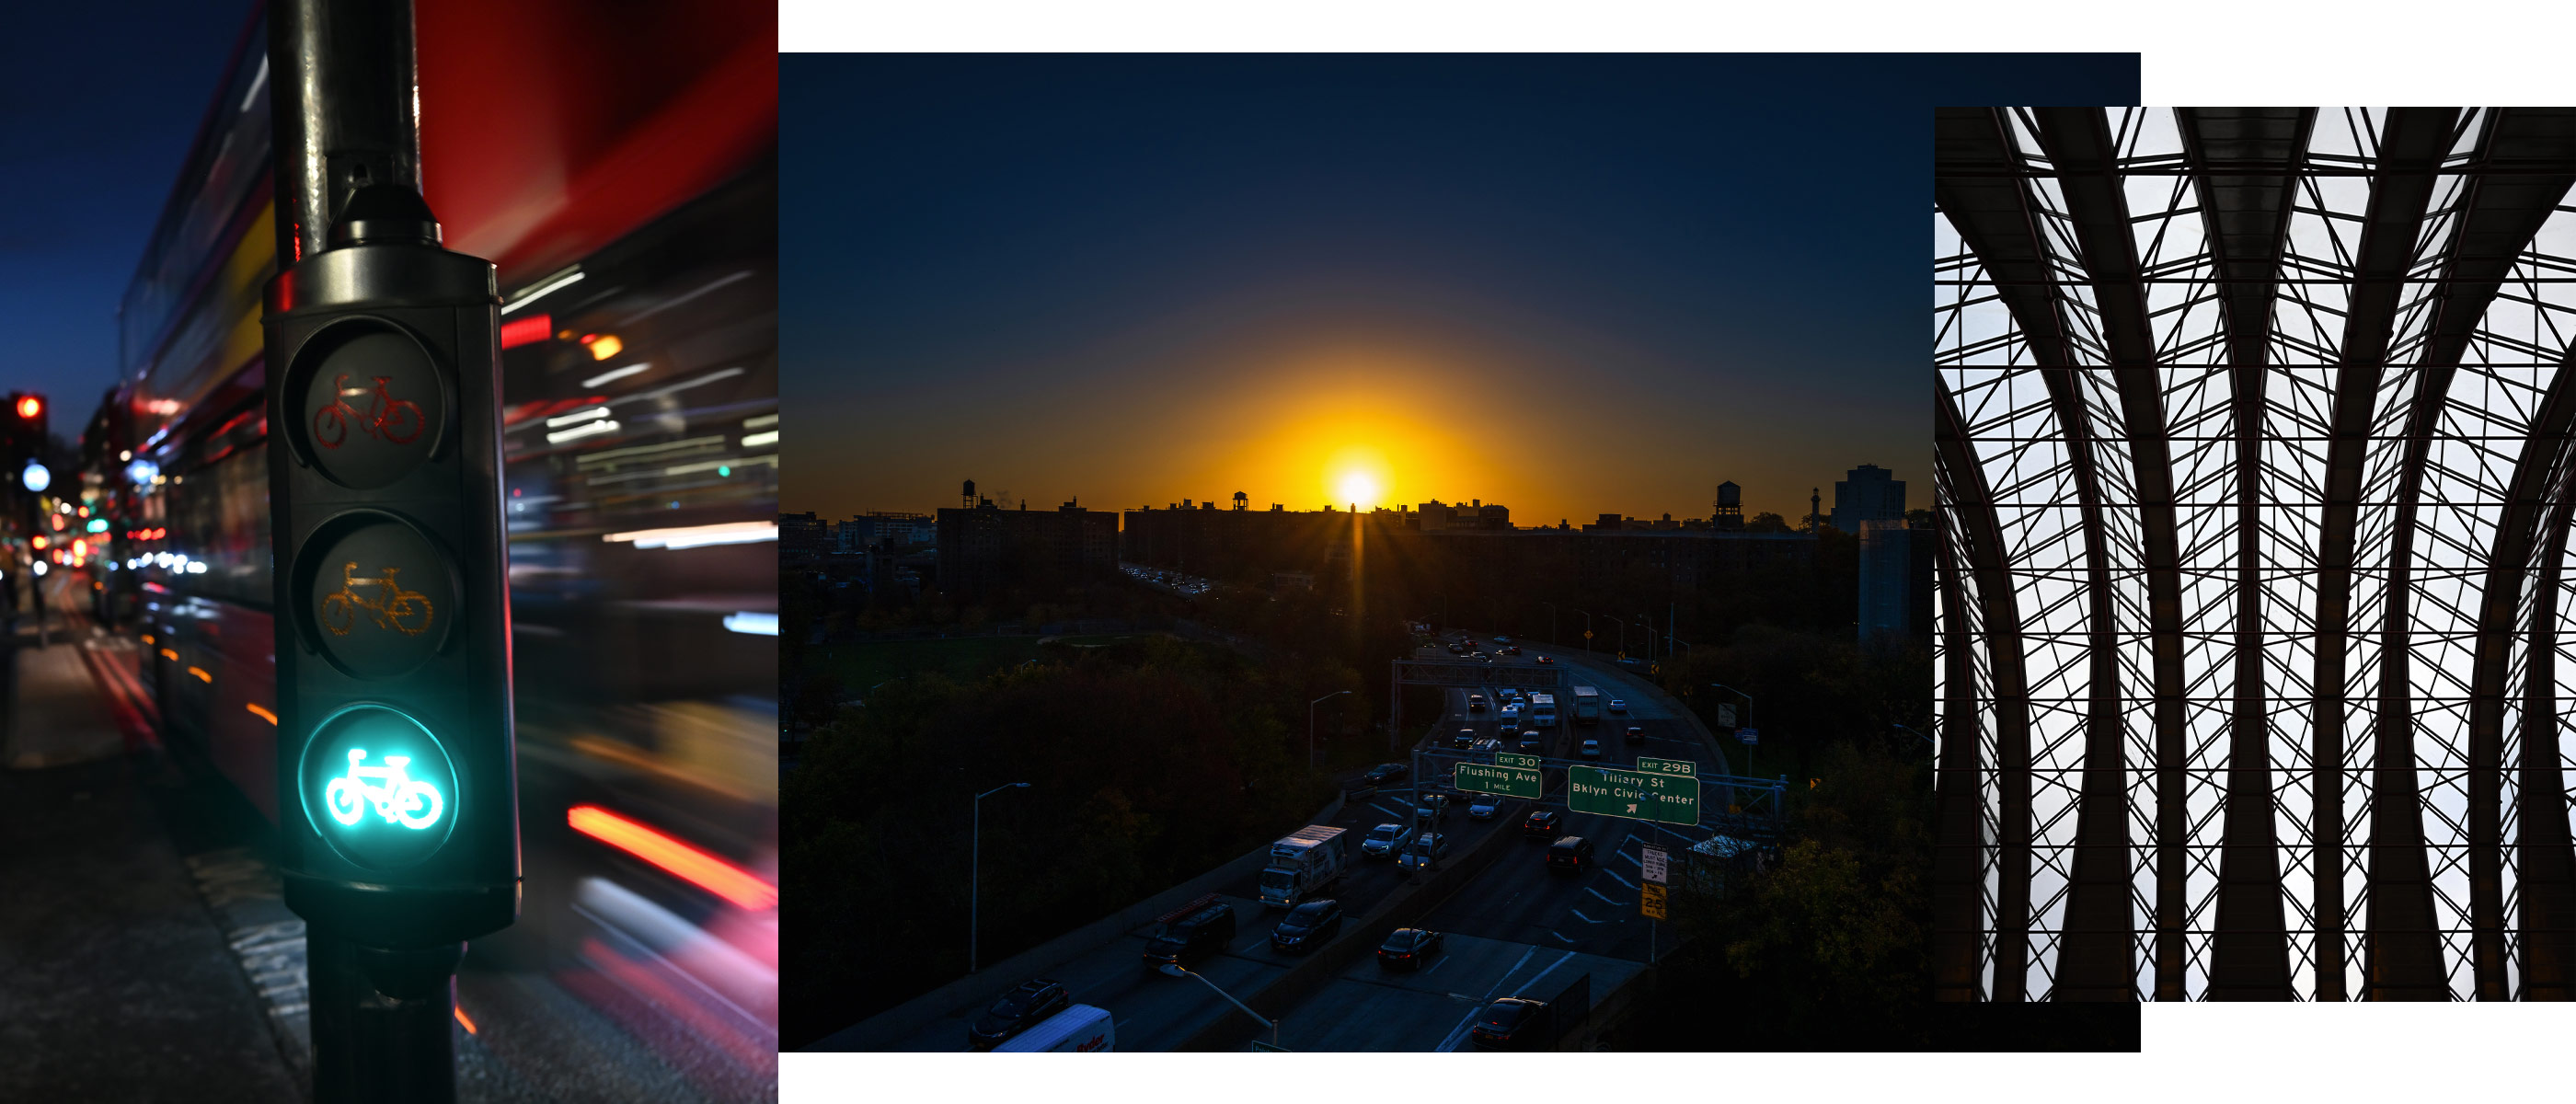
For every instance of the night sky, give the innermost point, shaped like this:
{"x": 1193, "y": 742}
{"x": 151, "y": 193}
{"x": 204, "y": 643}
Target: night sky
{"x": 1572, "y": 285}
{"x": 98, "y": 103}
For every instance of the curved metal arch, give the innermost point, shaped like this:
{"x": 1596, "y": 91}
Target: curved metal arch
{"x": 2547, "y": 871}
{"x": 2404, "y": 954}
{"x": 1998, "y": 218}
{"x": 1957, "y": 889}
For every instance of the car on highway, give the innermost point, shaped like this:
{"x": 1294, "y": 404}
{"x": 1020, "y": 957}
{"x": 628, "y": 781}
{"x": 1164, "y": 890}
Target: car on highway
{"x": 1381, "y": 841}
{"x": 1189, "y": 938}
{"x": 1502, "y": 640}
{"x": 1431, "y": 808}
{"x": 1384, "y": 773}
{"x": 1636, "y": 735}
{"x": 1512, "y": 1023}
{"x": 1513, "y": 650}
{"x": 1429, "y": 848}
{"x": 1542, "y": 823}
{"x": 1530, "y": 741}
{"x": 1486, "y": 746}
{"x": 1618, "y": 705}
{"x": 1571, "y": 855}
{"x": 1019, "y": 1010}
{"x": 1408, "y": 948}
{"x": 1483, "y": 658}
{"x": 1591, "y": 749}
{"x": 1484, "y": 807}
{"x": 1475, "y": 703}
{"x": 1549, "y": 661}
{"x": 1465, "y": 738}
{"x": 1308, "y": 926}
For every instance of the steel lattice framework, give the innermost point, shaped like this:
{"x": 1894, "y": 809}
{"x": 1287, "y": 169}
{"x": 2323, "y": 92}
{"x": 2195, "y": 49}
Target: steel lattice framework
{"x": 2256, "y": 483}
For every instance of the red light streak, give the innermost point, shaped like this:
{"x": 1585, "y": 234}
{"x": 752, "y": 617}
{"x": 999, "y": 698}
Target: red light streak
{"x": 527, "y": 331}
{"x": 696, "y": 867}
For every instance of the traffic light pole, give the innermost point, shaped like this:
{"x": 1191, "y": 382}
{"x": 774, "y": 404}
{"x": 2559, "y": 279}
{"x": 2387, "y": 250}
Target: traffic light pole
{"x": 396, "y": 771}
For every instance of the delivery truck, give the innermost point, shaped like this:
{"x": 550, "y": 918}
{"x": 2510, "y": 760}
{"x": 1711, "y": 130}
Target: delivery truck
{"x": 1587, "y": 705}
{"x": 1542, "y": 711}
{"x": 1302, "y": 864}
{"x": 1079, "y": 1028}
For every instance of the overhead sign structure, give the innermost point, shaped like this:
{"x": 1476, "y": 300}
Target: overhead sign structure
{"x": 1508, "y": 781}
{"x": 1650, "y": 901}
{"x": 1629, "y": 794}
{"x": 1653, "y": 860}
{"x": 1515, "y": 759}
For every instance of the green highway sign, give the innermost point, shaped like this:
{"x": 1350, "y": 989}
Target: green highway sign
{"x": 1620, "y": 793}
{"x": 1507, "y": 781}
{"x": 1515, "y": 759}
{"x": 1682, "y": 767}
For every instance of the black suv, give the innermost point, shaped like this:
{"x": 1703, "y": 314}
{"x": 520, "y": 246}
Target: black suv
{"x": 1384, "y": 773}
{"x": 1192, "y": 937}
{"x": 1017, "y": 1011}
{"x": 1571, "y": 855}
{"x": 1636, "y": 734}
{"x": 1308, "y": 925}
{"x": 1466, "y": 738}
{"x": 1542, "y": 823}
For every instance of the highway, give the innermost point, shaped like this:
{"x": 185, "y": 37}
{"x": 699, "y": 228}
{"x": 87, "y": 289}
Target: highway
{"x": 1516, "y": 929}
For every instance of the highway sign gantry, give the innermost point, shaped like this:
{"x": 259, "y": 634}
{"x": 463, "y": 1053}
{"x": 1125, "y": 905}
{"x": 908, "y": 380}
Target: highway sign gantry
{"x": 1629, "y": 794}
{"x": 1520, "y": 782}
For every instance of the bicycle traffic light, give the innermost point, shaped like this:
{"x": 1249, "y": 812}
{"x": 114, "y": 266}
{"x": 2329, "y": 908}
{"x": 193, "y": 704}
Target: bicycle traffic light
{"x": 398, "y": 793}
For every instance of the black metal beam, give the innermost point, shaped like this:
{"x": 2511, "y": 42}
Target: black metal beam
{"x": 2096, "y": 962}
{"x": 2546, "y": 873}
{"x": 2404, "y": 954}
{"x": 1998, "y": 218}
{"x": 1958, "y": 882}
{"x": 2498, "y": 218}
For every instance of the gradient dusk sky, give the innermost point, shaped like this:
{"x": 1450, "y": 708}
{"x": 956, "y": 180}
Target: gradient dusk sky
{"x": 1571, "y": 285}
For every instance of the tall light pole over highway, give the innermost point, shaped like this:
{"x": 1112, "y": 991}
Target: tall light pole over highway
{"x": 1623, "y": 633}
{"x": 1310, "y": 724}
{"x": 975, "y": 875}
{"x": 1587, "y": 632}
{"x": 1175, "y": 969}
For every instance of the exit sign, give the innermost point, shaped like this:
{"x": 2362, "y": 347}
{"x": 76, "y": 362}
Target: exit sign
{"x": 1629, "y": 794}
{"x": 1508, "y": 781}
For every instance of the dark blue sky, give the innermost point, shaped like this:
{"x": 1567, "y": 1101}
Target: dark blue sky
{"x": 98, "y": 103}
{"x": 1575, "y": 284}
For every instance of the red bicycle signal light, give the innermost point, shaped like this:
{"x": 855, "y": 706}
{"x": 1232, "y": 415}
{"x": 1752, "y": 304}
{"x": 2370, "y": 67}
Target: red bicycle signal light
{"x": 30, "y": 406}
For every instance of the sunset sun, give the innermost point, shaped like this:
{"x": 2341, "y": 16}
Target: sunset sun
{"x": 1357, "y": 488}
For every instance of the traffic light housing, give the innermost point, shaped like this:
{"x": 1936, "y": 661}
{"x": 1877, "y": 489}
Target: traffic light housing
{"x": 396, "y": 778}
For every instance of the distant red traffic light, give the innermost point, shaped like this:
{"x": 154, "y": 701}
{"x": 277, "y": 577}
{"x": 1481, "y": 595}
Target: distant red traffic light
{"x": 29, "y": 406}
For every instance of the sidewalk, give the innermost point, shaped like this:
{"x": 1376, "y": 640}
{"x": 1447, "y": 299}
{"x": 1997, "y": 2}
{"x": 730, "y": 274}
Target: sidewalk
{"x": 116, "y": 983}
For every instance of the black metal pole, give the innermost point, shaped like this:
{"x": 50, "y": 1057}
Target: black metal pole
{"x": 343, "y": 98}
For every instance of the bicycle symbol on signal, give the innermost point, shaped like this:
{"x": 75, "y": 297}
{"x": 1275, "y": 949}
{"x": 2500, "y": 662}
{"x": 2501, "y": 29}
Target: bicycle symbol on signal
{"x": 402, "y": 799}
{"x": 405, "y": 611}
{"x": 388, "y": 419}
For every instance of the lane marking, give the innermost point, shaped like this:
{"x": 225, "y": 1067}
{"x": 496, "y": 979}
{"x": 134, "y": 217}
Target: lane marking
{"x": 1449, "y": 1044}
{"x": 1561, "y": 937}
{"x": 1605, "y": 897}
{"x": 1614, "y": 875}
{"x": 1578, "y": 914}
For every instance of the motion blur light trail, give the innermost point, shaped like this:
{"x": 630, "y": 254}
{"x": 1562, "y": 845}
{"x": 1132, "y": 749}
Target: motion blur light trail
{"x": 703, "y": 870}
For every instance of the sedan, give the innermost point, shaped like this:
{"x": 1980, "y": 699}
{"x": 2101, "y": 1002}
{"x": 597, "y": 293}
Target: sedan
{"x": 1018, "y": 1010}
{"x": 1512, "y": 1023}
{"x": 1484, "y": 807}
{"x": 1408, "y": 948}
{"x": 1307, "y": 925}
{"x": 1636, "y": 735}
{"x": 1465, "y": 738}
{"x": 1618, "y": 705}
{"x": 1513, "y": 650}
{"x": 1430, "y": 848}
{"x": 1548, "y": 661}
{"x": 1384, "y": 773}
{"x": 1542, "y": 823}
{"x": 1592, "y": 749}
{"x": 1381, "y": 841}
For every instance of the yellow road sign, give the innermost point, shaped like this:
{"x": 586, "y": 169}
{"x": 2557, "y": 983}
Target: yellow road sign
{"x": 1650, "y": 900}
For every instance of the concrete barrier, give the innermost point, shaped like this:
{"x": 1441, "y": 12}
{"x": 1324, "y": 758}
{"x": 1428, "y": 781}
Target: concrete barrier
{"x": 1609, "y": 1010}
{"x": 1360, "y": 937}
{"x": 967, "y": 995}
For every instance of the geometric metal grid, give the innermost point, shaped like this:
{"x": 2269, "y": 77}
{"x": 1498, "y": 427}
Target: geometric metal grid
{"x": 2255, "y": 635}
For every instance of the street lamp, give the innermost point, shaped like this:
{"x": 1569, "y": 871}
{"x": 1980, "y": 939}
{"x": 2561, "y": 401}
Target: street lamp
{"x": 1748, "y": 715}
{"x": 1623, "y": 633}
{"x": 1175, "y": 969}
{"x": 1587, "y": 633}
{"x": 1647, "y": 621}
{"x": 1310, "y": 724}
{"x": 975, "y": 875}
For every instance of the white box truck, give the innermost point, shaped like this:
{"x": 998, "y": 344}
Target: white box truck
{"x": 1079, "y": 1028}
{"x": 1587, "y": 705}
{"x": 1542, "y": 710}
{"x": 1302, "y": 863}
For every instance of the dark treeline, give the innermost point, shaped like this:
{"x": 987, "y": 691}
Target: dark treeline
{"x": 1150, "y": 762}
